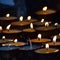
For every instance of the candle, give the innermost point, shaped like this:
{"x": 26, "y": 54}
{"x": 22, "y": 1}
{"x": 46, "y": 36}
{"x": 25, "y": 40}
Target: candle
{"x": 46, "y": 24}
{"x": 56, "y": 24}
{"x": 16, "y": 40}
{"x": 0, "y": 27}
{"x": 8, "y": 15}
{"x": 54, "y": 39}
{"x": 3, "y": 37}
{"x": 42, "y": 20}
{"x": 47, "y": 46}
{"x": 8, "y": 27}
{"x": 44, "y": 8}
{"x": 21, "y": 18}
{"x": 29, "y": 18}
{"x": 31, "y": 25}
{"x": 39, "y": 36}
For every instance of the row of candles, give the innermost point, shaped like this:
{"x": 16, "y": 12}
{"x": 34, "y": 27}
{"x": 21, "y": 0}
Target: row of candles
{"x": 39, "y": 37}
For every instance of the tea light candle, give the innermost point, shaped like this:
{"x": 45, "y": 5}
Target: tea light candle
{"x": 31, "y": 25}
{"x": 54, "y": 39}
{"x": 8, "y": 27}
{"x": 46, "y": 24}
{"x": 8, "y": 15}
{"x": 39, "y": 36}
{"x": 29, "y": 18}
{"x": 44, "y": 8}
{"x": 3, "y": 37}
{"x": 16, "y": 40}
{"x": 42, "y": 20}
{"x": 0, "y": 27}
{"x": 47, "y": 46}
{"x": 21, "y": 18}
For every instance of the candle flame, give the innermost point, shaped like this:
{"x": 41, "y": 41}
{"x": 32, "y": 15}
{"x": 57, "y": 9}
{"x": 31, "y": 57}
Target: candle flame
{"x": 0, "y": 27}
{"x": 42, "y": 20}
{"x": 29, "y": 18}
{"x": 16, "y": 40}
{"x": 54, "y": 38}
{"x": 21, "y": 18}
{"x": 39, "y": 36}
{"x": 47, "y": 46}
{"x": 8, "y": 27}
{"x": 31, "y": 25}
{"x": 44, "y": 8}
{"x": 56, "y": 24}
{"x": 8, "y": 15}
{"x": 3, "y": 37}
{"x": 47, "y": 24}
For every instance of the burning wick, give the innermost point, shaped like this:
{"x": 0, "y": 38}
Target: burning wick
{"x": 54, "y": 39}
{"x": 42, "y": 20}
{"x": 0, "y": 27}
{"x": 16, "y": 40}
{"x": 39, "y": 36}
{"x": 3, "y": 37}
{"x": 8, "y": 15}
{"x": 44, "y": 8}
{"x": 29, "y": 18}
{"x": 31, "y": 25}
{"x": 47, "y": 46}
{"x": 21, "y": 18}
{"x": 46, "y": 24}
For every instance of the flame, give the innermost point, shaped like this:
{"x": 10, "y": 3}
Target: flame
{"x": 0, "y": 27}
{"x": 29, "y": 18}
{"x": 42, "y": 20}
{"x": 56, "y": 24}
{"x": 44, "y": 8}
{"x": 54, "y": 38}
{"x": 39, "y": 36}
{"x": 21, "y": 18}
{"x": 8, "y": 15}
{"x": 47, "y": 46}
{"x": 16, "y": 40}
{"x": 3, "y": 37}
{"x": 31, "y": 25}
{"x": 47, "y": 24}
{"x": 8, "y": 27}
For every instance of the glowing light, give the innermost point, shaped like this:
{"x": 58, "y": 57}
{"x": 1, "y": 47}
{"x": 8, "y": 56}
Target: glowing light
{"x": 29, "y": 18}
{"x": 21, "y": 18}
{"x": 42, "y": 20}
{"x": 44, "y": 8}
{"x": 47, "y": 46}
{"x": 46, "y": 24}
{"x": 16, "y": 40}
{"x": 8, "y": 15}
{"x": 54, "y": 39}
{"x": 31, "y": 25}
{"x": 8, "y": 27}
{"x": 0, "y": 27}
{"x": 39, "y": 36}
